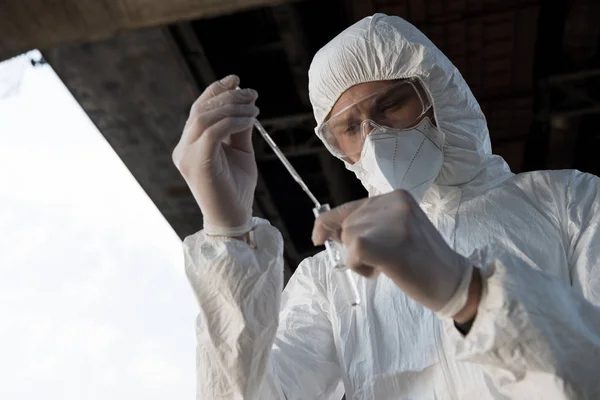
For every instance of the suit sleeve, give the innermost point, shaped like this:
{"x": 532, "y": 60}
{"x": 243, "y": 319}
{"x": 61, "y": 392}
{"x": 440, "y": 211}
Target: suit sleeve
{"x": 250, "y": 343}
{"x": 535, "y": 335}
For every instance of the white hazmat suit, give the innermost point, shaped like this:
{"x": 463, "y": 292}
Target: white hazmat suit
{"x": 537, "y": 331}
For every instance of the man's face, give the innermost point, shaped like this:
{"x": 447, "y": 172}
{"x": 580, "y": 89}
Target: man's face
{"x": 399, "y": 104}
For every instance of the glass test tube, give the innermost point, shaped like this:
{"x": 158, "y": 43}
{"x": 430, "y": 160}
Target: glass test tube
{"x": 334, "y": 251}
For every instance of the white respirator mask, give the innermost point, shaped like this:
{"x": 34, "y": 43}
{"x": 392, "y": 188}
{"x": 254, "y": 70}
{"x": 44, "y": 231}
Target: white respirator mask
{"x": 408, "y": 159}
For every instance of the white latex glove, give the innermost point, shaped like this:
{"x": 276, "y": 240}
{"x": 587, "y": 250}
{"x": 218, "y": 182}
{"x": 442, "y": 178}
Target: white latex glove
{"x": 216, "y": 158}
{"x": 391, "y": 234}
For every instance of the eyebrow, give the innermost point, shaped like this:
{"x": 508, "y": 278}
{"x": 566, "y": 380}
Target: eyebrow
{"x": 338, "y": 123}
{"x": 391, "y": 94}
{"x": 343, "y": 119}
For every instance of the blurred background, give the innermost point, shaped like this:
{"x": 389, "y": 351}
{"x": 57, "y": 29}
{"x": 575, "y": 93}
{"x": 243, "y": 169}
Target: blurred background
{"x": 133, "y": 68}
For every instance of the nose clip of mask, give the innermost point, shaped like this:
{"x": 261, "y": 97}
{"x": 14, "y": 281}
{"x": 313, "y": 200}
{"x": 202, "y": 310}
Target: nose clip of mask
{"x": 367, "y": 126}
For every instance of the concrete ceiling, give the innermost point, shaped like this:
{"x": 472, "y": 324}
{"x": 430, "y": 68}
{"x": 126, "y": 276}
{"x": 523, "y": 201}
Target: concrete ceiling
{"x": 42, "y": 24}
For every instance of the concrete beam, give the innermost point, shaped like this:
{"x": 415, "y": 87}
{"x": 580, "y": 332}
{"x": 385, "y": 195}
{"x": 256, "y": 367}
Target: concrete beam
{"x": 28, "y": 24}
{"x": 193, "y": 51}
{"x": 141, "y": 117}
{"x": 294, "y": 44}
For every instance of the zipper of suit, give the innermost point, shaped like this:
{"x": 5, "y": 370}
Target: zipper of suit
{"x": 444, "y": 360}
{"x": 438, "y": 331}
{"x": 438, "y": 323}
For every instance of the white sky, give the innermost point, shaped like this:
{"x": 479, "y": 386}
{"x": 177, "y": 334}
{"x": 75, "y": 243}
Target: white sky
{"x": 94, "y": 303}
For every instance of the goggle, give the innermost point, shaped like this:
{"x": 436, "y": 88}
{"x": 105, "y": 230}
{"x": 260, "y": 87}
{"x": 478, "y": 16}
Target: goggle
{"x": 399, "y": 105}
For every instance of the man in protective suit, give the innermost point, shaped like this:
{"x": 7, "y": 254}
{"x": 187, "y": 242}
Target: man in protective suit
{"x": 481, "y": 284}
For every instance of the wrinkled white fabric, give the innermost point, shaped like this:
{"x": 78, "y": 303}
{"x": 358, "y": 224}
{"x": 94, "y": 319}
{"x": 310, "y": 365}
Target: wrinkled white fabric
{"x": 537, "y": 236}
{"x": 408, "y": 159}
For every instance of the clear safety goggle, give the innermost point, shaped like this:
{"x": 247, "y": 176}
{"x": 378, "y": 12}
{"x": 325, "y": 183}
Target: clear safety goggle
{"x": 399, "y": 105}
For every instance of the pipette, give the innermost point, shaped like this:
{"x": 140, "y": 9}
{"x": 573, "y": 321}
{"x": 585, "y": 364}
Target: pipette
{"x": 334, "y": 249}
{"x": 286, "y": 162}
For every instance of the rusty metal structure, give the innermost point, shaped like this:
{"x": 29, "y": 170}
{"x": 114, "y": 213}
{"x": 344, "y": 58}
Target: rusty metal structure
{"x": 136, "y": 68}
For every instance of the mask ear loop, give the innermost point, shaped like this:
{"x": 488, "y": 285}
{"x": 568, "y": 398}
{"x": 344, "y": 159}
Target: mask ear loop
{"x": 428, "y": 101}
{"x": 425, "y": 102}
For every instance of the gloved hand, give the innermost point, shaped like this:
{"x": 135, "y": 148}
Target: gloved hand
{"x": 216, "y": 158}
{"x": 391, "y": 234}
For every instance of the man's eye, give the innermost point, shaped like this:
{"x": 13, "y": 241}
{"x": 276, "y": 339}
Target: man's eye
{"x": 389, "y": 106}
{"x": 352, "y": 129}
{"x": 393, "y": 105}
